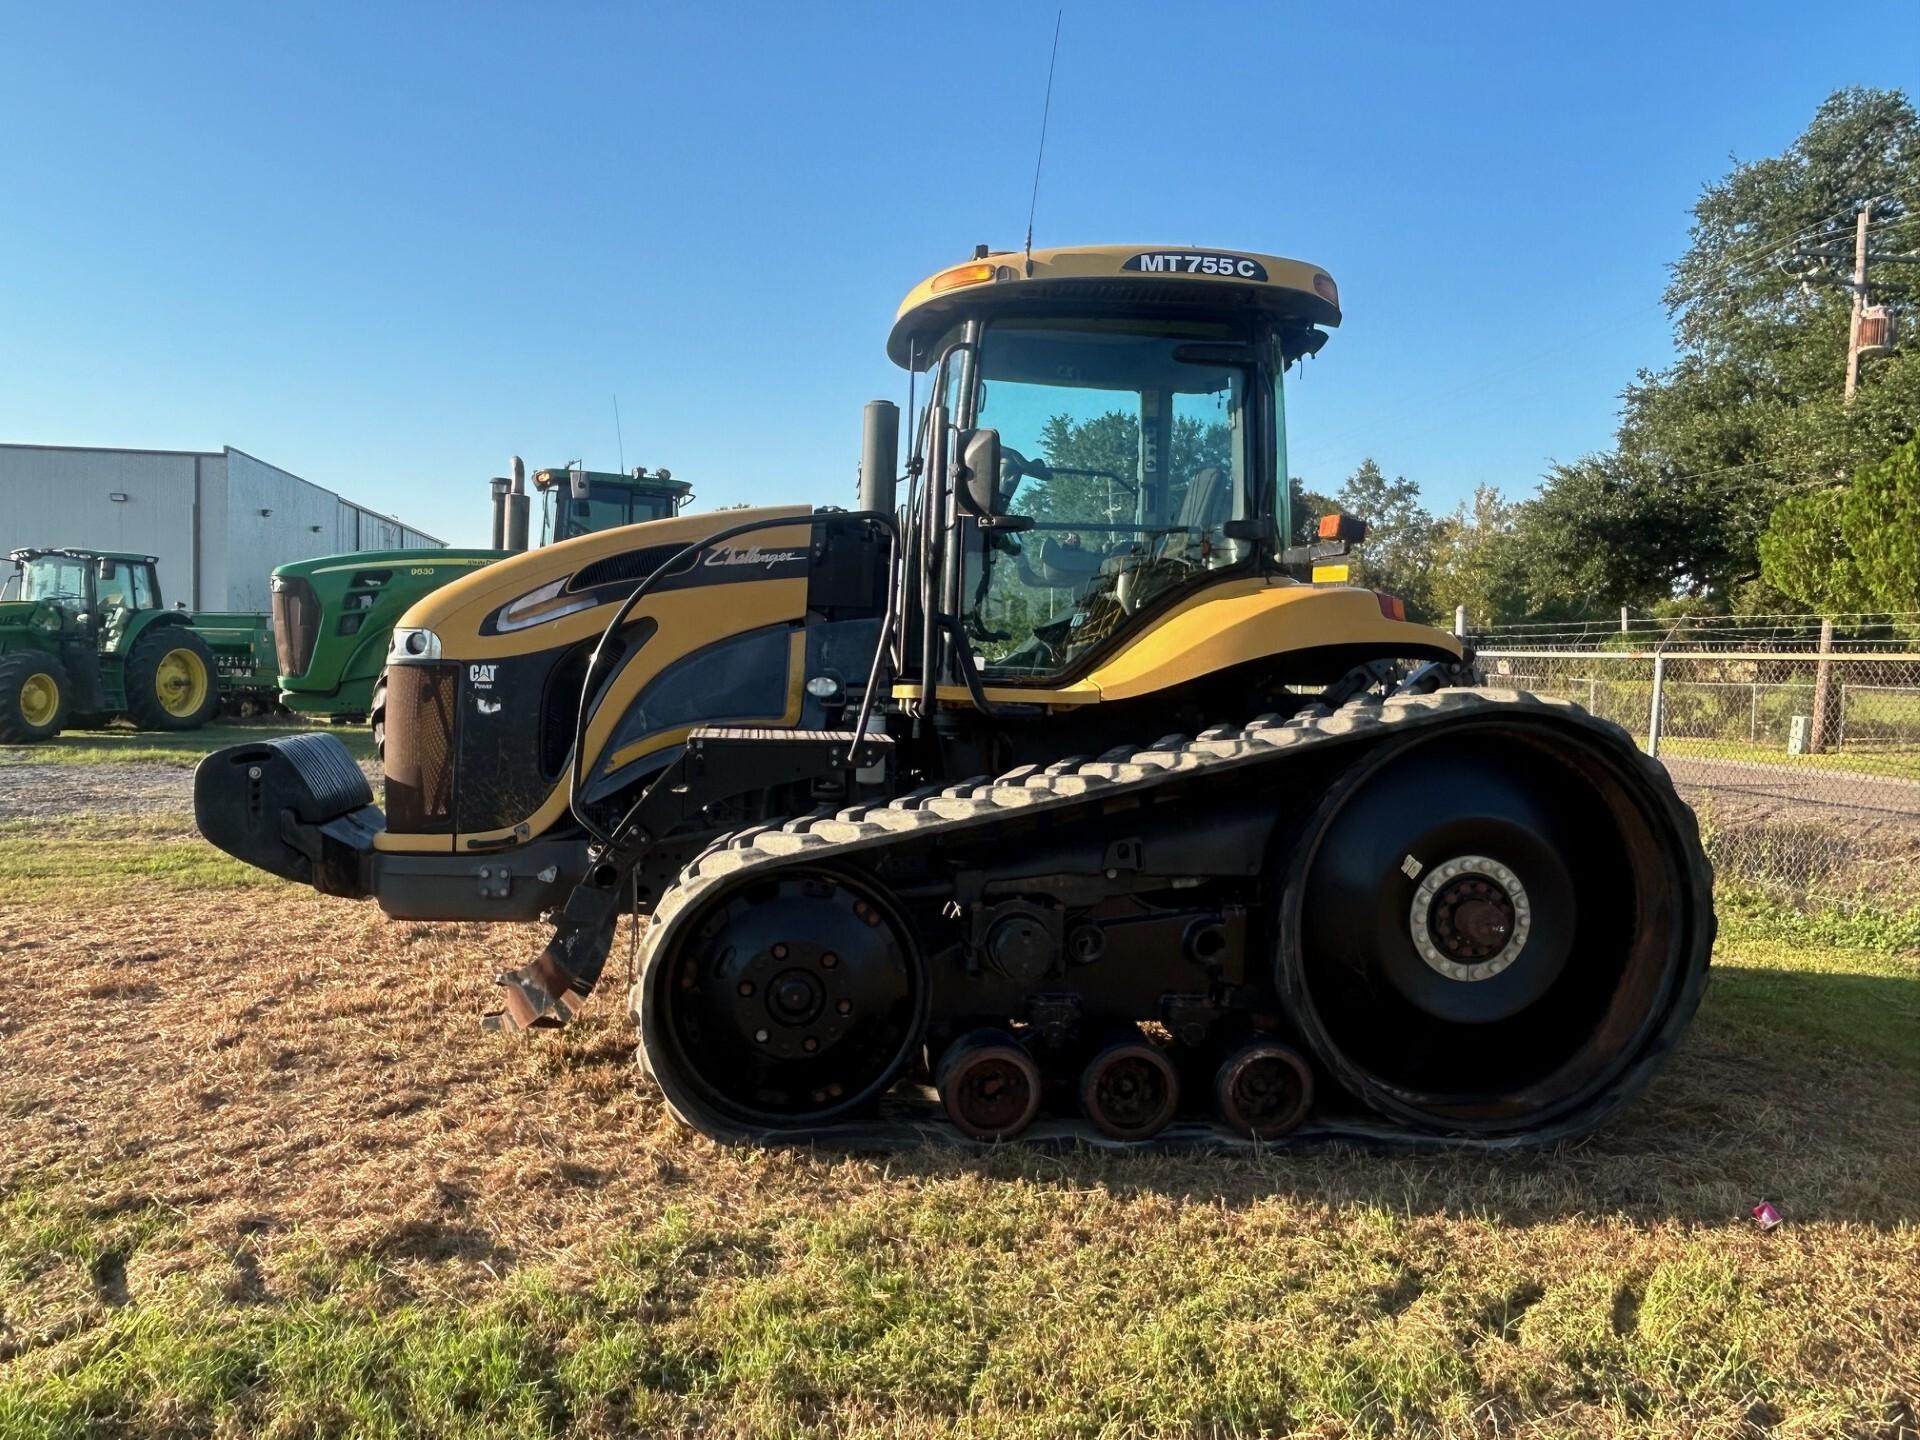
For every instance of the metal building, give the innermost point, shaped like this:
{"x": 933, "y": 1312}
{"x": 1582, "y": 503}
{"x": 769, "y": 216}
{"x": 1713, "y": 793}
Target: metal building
{"x": 219, "y": 520}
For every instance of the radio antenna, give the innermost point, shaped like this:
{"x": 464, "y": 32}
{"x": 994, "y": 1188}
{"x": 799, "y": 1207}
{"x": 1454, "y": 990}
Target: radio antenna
{"x": 619, "y": 439}
{"x": 1046, "y": 110}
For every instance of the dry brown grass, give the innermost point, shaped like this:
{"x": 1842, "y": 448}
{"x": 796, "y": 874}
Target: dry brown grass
{"x": 234, "y": 1103}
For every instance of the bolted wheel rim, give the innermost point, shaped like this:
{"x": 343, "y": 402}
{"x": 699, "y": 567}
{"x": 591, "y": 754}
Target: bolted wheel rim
{"x": 1130, "y": 1090}
{"x": 784, "y": 1004}
{"x": 1482, "y": 928}
{"x": 39, "y": 699}
{"x": 1265, "y": 1090}
{"x": 180, "y": 682}
{"x": 989, "y": 1086}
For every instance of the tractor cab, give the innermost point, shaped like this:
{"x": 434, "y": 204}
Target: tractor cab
{"x": 1110, "y": 425}
{"x": 84, "y": 590}
{"x": 585, "y": 502}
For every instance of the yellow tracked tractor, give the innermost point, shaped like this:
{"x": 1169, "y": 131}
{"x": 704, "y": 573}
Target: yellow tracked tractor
{"x": 1045, "y": 789}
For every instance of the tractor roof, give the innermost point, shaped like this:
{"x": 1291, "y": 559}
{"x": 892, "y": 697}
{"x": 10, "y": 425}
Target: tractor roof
{"x": 1156, "y": 281}
{"x": 654, "y": 482}
{"x": 128, "y": 556}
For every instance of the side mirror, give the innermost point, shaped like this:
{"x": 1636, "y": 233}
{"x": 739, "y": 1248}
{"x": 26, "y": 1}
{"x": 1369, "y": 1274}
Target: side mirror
{"x": 577, "y": 483}
{"x": 978, "y": 473}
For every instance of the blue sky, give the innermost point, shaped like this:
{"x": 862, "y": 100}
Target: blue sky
{"x": 387, "y": 247}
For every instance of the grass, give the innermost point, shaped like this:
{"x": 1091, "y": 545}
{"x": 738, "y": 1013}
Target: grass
{"x": 1894, "y": 764}
{"x": 105, "y": 857}
{"x": 261, "y": 1175}
{"x": 120, "y": 744}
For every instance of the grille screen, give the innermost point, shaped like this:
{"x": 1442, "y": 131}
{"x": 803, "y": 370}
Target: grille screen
{"x": 296, "y": 622}
{"x": 419, "y": 750}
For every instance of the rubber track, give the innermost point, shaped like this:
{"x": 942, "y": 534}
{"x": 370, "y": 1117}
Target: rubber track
{"x": 906, "y": 1118}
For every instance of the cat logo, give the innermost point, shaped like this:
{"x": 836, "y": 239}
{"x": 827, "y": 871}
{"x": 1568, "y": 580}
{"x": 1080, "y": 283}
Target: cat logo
{"x": 481, "y": 675}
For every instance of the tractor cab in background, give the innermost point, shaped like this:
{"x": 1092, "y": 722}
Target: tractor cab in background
{"x": 87, "y": 638}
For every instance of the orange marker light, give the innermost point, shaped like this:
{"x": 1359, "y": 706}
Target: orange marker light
{"x": 962, "y": 275}
{"x": 1342, "y": 527}
{"x": 1391, "y": 606}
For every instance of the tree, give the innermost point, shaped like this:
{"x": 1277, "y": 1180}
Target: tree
{"x": 1805, "y": 558}
{"x": 1751, "y": 412}
{"x": 1400, "y": 533}
{"x": 1109, "y": 444}
{"x": 1476, "y": 561}
{"x": 1841, "y": 551}
{"x": 1880, "y": 522}
{"x": 1304, "y": 509}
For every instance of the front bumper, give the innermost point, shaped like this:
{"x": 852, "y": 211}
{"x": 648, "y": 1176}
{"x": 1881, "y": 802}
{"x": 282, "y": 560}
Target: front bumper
{"x": 298, "y": 806}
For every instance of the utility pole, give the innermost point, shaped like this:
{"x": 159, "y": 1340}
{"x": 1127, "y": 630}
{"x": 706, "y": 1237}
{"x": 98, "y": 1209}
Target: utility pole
{"x": 1859, "y": 299}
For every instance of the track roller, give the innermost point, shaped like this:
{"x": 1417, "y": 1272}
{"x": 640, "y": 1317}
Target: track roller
{"x": 1130, "y": 1089}
{"x": 989, "y": 1085}
{"x": 1264, "y": 1090}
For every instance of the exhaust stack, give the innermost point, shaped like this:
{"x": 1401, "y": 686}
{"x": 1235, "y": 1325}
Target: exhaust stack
{"x": 516, "y": 536}
{"x": 499, "y": 485}
{"x": 879, "y": 455}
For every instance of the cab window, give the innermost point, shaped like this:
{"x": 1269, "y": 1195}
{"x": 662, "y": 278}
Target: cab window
{"x": 1128, "y": 453}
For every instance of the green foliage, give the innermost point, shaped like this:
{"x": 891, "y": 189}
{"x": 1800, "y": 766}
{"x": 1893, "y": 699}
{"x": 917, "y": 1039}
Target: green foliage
{"x": 1475, "y": 561}
{"x": 1803, "y": 555}
{"x": 1110, "y": 443}
{"x": 1880, "y": 522}
{"x": 1841, "y": 551}
{"x": 1752, "y": 412}
{"x": 1398, "y": 550}
{"x": 1305, "y": 507}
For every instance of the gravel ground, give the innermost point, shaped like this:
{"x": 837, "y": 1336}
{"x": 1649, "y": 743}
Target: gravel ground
{"x": 30, "y": 791}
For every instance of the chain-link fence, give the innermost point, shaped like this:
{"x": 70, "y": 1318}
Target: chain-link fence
{"x": 1803, "y": 763}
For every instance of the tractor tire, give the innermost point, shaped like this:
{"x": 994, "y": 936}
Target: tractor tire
{"x": 34, "y": 695}
{"x": 377, "y": 718}
{"x": 171, "y": 682}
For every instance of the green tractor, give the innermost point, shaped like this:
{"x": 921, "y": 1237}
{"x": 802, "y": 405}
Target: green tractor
{"x": 87, "y": 638}
{"x": 332, "y": 616}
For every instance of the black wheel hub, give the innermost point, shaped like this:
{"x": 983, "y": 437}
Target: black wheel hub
{"x": 1472, "y": 919}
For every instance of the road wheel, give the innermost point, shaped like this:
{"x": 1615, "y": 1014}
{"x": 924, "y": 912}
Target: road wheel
{"x": 170, "y": 680}
{"x": 34, "y": 693}
{"x": 377, "y": 718}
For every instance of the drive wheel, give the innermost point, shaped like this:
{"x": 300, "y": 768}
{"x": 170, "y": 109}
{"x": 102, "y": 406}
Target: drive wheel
{"x": 34, "y": 695}
{"x": 782, "y": 1006}
{"x": 1497, "y": 930}
{"x": 170, "y": 680}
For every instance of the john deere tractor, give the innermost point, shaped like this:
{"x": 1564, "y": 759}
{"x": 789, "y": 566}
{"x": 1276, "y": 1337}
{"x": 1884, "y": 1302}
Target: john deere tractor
{"x": 86, "y": 639}
{"x": 1045, "y": 791}
{"x": 334, "y": 615}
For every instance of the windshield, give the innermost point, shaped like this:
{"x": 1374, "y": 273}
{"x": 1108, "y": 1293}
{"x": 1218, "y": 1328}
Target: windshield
{"x": 54, "y": 577}
{"x": 608, "y": 507}
{"x": 1128, "y": 453}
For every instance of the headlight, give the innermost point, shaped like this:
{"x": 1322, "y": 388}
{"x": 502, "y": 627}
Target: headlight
{"x": 412, "y": 647}
{"x": 536, "y": 607}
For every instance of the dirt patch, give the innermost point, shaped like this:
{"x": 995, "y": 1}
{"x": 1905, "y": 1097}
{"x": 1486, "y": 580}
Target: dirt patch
{"x": 33, "y": 791}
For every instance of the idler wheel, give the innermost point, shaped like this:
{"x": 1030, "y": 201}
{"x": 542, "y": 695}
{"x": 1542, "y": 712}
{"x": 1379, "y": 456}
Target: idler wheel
{"x": 782, "y": 1006}
{"x": 1130, "y": 1090}
{"x": 989, "y": 1085}
{"x": 1264, "y": 1090}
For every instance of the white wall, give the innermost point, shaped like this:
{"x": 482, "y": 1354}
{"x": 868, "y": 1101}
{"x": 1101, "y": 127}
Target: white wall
{"x": 59, "y": 497}
{"x": 253, "y": 516}
{"x": 273, "y": 517}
